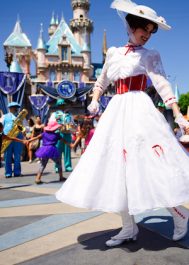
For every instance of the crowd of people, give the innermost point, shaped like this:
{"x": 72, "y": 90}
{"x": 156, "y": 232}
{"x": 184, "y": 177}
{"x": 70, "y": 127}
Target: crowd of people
{"x": 36, "y": 137}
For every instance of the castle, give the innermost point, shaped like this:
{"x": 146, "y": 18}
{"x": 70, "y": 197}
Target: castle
{"x": 65, "y": 56}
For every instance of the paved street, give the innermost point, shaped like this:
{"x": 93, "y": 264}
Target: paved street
{"x": 37, "y": 229}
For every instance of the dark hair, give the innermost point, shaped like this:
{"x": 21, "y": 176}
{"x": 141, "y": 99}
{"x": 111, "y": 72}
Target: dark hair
{"x": 136, "y": 22}
{"x": 31, "y": 122}
{"x": 1, "y": 125}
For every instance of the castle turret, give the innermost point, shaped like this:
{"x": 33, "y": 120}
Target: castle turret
{"x": 82, "y": 28}
{"x": 18, "y": 44}
{"x": 80, "y": 22}
{"x": 53, "y": 25}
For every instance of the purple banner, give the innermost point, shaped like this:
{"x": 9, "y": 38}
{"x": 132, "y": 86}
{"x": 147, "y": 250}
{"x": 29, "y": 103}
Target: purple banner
{"x": 39, "y": 101}
{"x": 10, "y": 83}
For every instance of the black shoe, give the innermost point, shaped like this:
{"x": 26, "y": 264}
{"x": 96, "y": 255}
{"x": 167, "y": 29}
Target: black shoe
{"x": 8, "y": 176}
{"x": 62, "y": 179}
{"x": 38, "y": 182}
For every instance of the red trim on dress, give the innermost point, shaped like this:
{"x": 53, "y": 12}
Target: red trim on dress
{"x": 158, "y": 148}
{"x": 124, "y": 154}
{"x": 170, "y": 99}
{"x": 179, "y": 213}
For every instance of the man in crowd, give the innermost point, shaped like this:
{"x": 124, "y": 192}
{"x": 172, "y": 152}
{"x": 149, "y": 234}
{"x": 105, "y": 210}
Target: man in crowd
{"x": 14, "y": 150}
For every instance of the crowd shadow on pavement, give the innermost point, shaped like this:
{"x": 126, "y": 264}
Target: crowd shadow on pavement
{"x": 14, "y": 186}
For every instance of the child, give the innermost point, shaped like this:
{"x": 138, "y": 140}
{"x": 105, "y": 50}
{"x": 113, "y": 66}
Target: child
{"x": 49, "y": 137}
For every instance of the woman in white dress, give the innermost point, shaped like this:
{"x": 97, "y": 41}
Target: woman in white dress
{"x": 133, "y": 163}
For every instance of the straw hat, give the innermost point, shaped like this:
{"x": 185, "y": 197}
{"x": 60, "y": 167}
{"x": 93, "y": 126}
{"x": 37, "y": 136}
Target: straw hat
{"x": 52, "y": 126}
{"x": 146, "y": 12}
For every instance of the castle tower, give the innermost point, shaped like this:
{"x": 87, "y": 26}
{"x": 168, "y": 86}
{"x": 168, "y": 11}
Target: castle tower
{"x": 86, "y": 51}
{"x": 40, "y": 54}
{"x": 19, "y": 46}
{"x": 82, "y": 28}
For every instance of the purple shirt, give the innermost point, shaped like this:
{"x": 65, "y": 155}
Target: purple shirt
{"x": 48, "y": 148}
{"x": 50, "y": 138}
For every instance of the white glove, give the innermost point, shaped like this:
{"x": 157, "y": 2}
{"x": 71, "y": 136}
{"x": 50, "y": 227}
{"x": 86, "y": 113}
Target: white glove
{"x": 182, "y": 122}
{"x": 94, "y": 107}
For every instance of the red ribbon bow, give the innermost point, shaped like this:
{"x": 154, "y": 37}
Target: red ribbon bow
{"x": 130, "y": 48}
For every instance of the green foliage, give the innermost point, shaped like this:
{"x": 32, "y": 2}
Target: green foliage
{"x": 184, "y": 103}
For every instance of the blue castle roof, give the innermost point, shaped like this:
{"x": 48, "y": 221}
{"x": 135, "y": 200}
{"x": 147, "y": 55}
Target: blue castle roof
{"x": 17, "y": 38}
{"x": 41, "y": 43}
{"x": 63, "y": 29}
{"x": 15, "y": 67}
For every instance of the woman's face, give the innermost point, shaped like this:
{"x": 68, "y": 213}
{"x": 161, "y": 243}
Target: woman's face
{"x": 142, "y": 35}
{"x": 38, "y": 120}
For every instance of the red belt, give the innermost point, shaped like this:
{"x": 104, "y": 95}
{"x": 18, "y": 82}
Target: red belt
{"x": 131, "y": 84}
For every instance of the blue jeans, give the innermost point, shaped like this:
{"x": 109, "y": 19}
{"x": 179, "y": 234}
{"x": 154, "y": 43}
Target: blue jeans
{"x": 13, "y": 151}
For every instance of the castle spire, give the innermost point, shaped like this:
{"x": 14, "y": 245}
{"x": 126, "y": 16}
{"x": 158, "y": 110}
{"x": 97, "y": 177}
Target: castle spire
{"x": 57, "y": 20}
{"x": 53, "y": 25}
{"x": 41, "y": 42}
{"x": 53, "y": 22}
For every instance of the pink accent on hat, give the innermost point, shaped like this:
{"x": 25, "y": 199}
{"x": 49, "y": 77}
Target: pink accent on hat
{"x": 52, "y": 126}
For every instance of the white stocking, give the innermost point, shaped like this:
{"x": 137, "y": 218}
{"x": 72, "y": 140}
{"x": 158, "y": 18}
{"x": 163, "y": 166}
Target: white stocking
{"x": 129, "y": 229}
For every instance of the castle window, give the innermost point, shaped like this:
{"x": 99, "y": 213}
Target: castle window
{"x": 64, "y": 54}
{"x": 52, "y": 75}
{"x": 77, "y": 76}
{"x": 65, "y": 76}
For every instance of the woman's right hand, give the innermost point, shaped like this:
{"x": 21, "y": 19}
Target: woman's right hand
{"x": 94, "y": 107}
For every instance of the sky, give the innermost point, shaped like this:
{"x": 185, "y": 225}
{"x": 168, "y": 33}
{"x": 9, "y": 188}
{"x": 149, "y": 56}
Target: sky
{"x": 173, "y": 45}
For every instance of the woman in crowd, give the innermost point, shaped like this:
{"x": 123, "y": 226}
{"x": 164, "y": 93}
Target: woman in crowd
{"x": 34, "y": 145}
{"x": 84, "y": 135}
{"x": 48, "y": 150}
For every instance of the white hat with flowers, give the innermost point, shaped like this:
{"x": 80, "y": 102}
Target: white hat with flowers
{"x": 146, "y": 12}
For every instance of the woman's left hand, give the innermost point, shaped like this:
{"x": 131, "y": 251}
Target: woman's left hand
{"x": 182, "y": 123}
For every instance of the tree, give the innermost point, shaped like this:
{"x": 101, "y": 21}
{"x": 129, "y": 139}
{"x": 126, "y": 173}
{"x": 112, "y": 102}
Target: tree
{"x": 184, "y": 103}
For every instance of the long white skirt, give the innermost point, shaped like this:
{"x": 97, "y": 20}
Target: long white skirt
{"x": 133, "y": 162}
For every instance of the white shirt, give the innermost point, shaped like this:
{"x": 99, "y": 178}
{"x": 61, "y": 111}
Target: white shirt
{"x": 119, "y": 65}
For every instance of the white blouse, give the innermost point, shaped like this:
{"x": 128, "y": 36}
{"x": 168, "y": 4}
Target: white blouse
{"x": 122, "y": 63}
